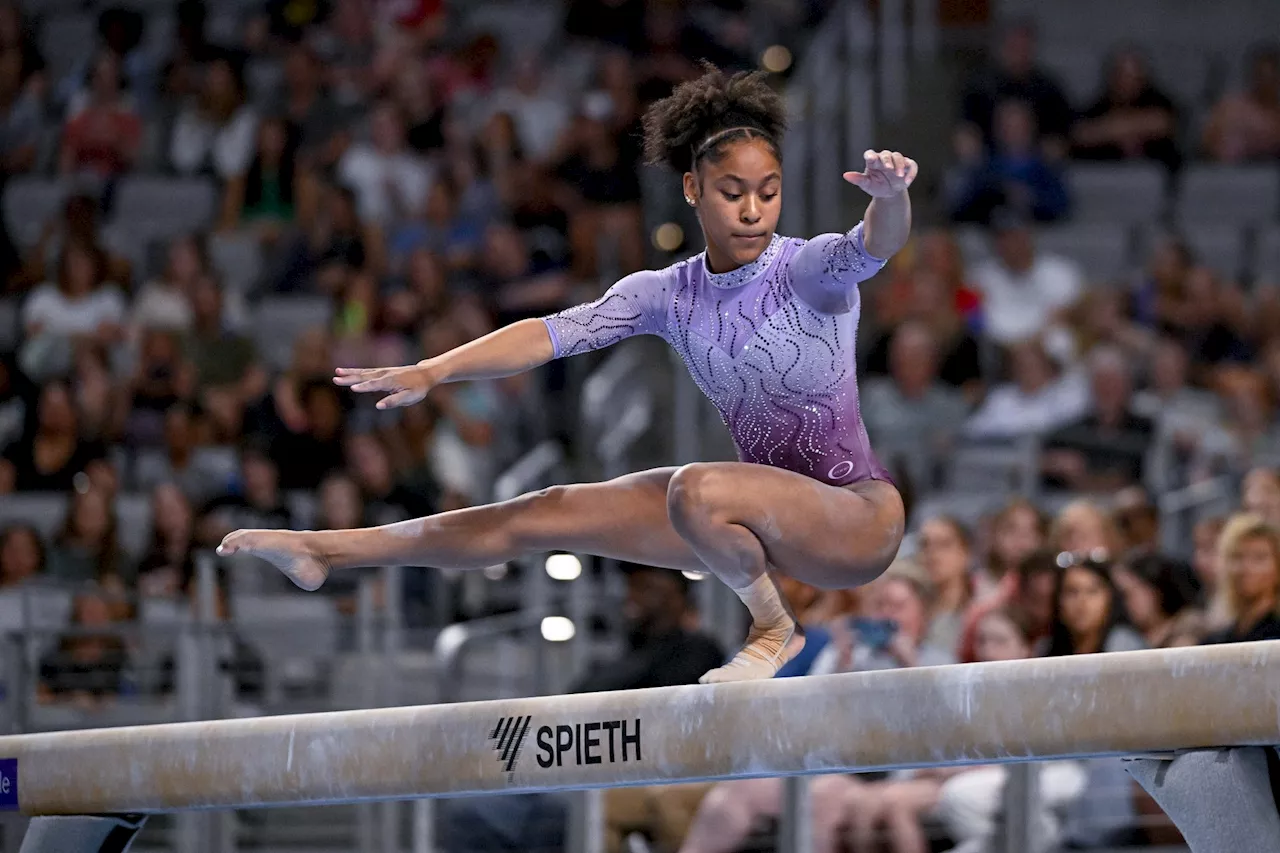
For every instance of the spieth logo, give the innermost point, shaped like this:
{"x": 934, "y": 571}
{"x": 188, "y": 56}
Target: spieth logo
{"x": 508, "y": 737}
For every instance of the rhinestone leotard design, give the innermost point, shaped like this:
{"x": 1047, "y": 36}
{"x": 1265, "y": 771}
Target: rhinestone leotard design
{"x": 771, "y": 344}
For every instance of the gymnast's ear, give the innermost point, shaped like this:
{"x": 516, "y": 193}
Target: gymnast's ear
{"x": 691, "y": 188}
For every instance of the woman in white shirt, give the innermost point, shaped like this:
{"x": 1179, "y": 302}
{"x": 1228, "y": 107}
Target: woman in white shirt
{"x": 78, "y": 306}
{"x": 217, "y": 133}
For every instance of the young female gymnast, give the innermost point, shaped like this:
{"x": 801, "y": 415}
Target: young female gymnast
{"x": 766, "y": 326}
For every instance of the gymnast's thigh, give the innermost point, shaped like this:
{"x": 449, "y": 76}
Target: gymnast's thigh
{"x": 827, "y": 536}
{"x": 622, "y": 519}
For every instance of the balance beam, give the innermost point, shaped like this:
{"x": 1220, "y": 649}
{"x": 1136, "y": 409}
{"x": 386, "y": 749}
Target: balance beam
{"x": 1087, "y": 705}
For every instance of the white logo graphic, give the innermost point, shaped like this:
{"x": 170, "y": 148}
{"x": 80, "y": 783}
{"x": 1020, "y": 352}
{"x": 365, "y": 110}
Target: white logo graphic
{"x": 841, "y": 470}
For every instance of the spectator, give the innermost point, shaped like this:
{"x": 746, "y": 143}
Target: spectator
{"x": 1132, "y": 119}
{"x": 17, "y": 400}
{"x": 256, "y": 502}
{"x": 22, "y": 555}
{"x": 442, "y": 230}
{"x": 1088, "y": 612}
{"x": 1245, "y": 126}
{"x": 536, "y": 106}
{"x": 1039, "y": 399}
{"x": 161, "y": 379}
{"x": 362, "y": 333}
{"x": 102, "y": 138}
{"x": 20, "y": 117}
{"x": 934, "y": 290}
{"x": 168, "y": 564}
{"x": 1208, "y": 569}
{"x": 1183, "y": 414}
{"x": 966, "y": 800}
{"x": 421, "y": 107}
{"x": 599, "y": 175}
{"x": 1014, "y": 76}
{"x": 1084, "y": 527}
{"x": 1249, "y": 553}
{"x": 1137, "y": 519}
{"x": 79, "y": 306}
{"x": 87, "y": 668}
{"x": 283, "y": 410}
{"x": 165, "y": 301}
{"x": 1106, "y": 449}
{"x": 1024, "y": 291}
{"x": 96, "y": 394}
{"x": 1160, "y": 288}
{"x": 1100, "y": 320}
{"x": 913, "y": 413}
{"x": 180, "y": 462}
{"x": 87, "y": 549}
{"x": 899, "y": 599}
{"x": 388, "y": 178}
{"x": 1017, "y": 530}
{"x": 1028, "y": 588}
{"x": 77, "y": 224}
{"x": 307, "y": 456}
{"x": 1159, "y": 597}
{"x": 660, "y": 652}
{"x": 228, "y": 374}
{"x": 1250, "y": 429}
{"x": 314, "y": 120}
{"x": 946, "y": 555}
{"x": 1210, "y": 318}
{"x": 265, "y": 197}
{"x": 53, "y": 455}
{"x": 387, "y": 497}
{"x": 1015, "y": 174}
{"x": 1260, "y": 494}
{"x": 215, "y": 135}
{"x": 516, "y": 281}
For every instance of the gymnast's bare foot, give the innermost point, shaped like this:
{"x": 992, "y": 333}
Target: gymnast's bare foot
{"x": 287, "y": 550}
{"x": 766, "y": 651}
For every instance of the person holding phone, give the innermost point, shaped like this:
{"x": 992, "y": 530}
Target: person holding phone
{"x": 890, "y": 632}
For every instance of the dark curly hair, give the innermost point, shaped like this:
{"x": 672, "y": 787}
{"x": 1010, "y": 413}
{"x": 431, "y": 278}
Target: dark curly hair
{"x": 701, "y": 116}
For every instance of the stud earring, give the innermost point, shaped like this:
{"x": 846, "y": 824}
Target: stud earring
{"x": 690, "y": 200}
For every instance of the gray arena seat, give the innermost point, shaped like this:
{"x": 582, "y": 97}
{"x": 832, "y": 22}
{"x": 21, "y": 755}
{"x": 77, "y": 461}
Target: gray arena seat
{"x": 279, "y": 320}
{"x": 1239, "y": 195}
{"x": 163, "y": 207}
{"x": 29, "y": 202}
{"x": 42, "y": 510}
{"x": 238, "y": 259}
{"x": 1120, "y": 193}
{"x": 1265, "y": 264}
{"x": 1102, "y": 250}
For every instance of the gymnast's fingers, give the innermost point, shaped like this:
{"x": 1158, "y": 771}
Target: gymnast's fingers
{"x": 381, "y": 383}
{"x": 351, "y": 376}
{"x": 400, "y": 398}
{"x": 899, "y": 164}
{"x": 913, "y": 169}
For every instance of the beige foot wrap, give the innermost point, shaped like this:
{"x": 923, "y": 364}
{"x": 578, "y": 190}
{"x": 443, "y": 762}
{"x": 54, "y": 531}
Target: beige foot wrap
{"x": 774, "y": 638}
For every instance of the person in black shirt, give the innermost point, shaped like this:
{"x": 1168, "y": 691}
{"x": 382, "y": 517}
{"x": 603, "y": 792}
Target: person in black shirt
{"x": 1132, "y": 119}
{"x": 1106, "y": 449}
{"x": 1015, "y": 76}
{"x": 661, "y": 653}
{"x": 52, "y": 454}
{"x": 1249, "y": 550}
{"x": 257, "y": 502}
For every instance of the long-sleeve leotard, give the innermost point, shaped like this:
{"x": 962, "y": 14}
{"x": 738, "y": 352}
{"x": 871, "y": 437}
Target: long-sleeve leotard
{"x": 772, "y": 344}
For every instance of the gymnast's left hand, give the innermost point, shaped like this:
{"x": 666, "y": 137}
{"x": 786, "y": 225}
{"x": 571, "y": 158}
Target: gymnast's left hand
{"x": 887, "y": 174}
{"x": 403, "y": 386}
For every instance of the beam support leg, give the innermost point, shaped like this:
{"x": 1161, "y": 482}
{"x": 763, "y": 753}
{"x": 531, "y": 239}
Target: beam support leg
{"x": 1220, "y": 800}
{"x": 82, "y": 834}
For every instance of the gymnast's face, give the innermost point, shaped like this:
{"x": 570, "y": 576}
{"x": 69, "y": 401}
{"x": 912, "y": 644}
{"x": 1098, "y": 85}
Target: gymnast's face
{"x": 738, "y": 196}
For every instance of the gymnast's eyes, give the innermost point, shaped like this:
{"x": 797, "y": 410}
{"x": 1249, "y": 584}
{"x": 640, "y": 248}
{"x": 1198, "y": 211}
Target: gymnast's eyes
{"x": 730, "y": 196}
{"x": 767, "y": 197}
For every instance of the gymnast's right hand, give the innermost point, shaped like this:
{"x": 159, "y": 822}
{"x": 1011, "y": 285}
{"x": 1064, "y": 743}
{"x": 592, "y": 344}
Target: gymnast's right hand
{"x": 403, "y": 386}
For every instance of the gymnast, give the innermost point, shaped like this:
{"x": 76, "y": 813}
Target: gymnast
{"x": 766, "y": 326}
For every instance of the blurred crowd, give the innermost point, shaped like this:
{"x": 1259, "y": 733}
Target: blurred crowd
{"x": 388, "y": 183}
{"x": 388, "y": 180}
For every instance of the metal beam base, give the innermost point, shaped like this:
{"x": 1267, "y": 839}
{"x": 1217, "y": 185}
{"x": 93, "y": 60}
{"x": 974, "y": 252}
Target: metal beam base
{"x": 82, "y": 834}
{"x": 1221, "y": 800}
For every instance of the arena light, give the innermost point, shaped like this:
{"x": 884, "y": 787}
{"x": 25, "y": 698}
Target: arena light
{"x": 558, "y": 629}
{"x": 775, "y": 59}
{"x": 1044, "y": 708}
{"x": 695, "y": 576}
{"x": 563, "y": 567}
{"x": 668, "y": 237}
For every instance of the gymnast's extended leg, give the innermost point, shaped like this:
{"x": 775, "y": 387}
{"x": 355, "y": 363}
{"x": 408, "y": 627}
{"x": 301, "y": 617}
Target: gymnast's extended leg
{"x": 737, "y": 520}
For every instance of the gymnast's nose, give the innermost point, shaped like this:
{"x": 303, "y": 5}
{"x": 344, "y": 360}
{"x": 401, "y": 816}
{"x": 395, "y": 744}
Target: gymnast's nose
{"x": 750, "y": 212}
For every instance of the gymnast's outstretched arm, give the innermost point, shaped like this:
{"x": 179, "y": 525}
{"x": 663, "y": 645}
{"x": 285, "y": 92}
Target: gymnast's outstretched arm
{"x": 633, "y": 306}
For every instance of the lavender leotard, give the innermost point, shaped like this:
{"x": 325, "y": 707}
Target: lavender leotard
{"x": 771, "y": 344}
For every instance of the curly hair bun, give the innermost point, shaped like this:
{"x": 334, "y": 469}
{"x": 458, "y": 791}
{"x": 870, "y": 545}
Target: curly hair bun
{"x": 701, "y": 115}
